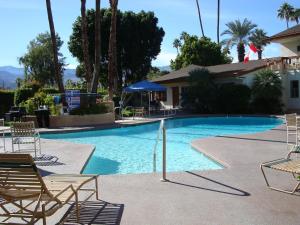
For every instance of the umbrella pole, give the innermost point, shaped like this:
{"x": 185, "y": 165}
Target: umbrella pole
{"x": 149, "y": 103}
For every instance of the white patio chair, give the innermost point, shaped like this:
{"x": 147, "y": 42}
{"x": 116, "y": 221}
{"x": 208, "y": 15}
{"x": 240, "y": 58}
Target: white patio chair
{"x": 24, "y": 133}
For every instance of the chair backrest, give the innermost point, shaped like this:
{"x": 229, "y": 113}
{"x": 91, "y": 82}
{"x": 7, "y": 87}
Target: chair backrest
{"x": 1, "y": 122}
{"x": 22, "y": 129}
{"x": 139, "y": 109}
{"x": 19, "y": 177}
{"x": 291, "y": 119}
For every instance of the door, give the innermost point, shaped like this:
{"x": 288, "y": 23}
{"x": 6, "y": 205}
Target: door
{"x": 175, "y": 96}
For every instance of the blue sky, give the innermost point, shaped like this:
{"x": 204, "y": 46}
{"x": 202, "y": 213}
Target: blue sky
{"x": 21, "y": 21}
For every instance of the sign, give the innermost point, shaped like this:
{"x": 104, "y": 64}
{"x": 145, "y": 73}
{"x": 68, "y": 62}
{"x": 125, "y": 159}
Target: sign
{"x": 73, "y": 99}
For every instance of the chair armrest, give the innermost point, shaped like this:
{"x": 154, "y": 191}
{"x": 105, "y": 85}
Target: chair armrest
{"x": 294, "y": 149}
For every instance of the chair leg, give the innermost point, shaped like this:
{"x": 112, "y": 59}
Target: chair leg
{"x": 97, "y": 188}
{"x": 44, "y": 215}
{"x": 77, "y": 207}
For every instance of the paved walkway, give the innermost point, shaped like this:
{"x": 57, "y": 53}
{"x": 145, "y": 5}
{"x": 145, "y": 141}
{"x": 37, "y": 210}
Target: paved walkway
{"x": 236, "y": 194}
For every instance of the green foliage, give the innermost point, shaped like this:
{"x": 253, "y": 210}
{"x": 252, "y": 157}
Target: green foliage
{"x": 258, "y": 38}
{"x": 138, "y": 43}
{"x": 155, "y": 73}
{"x": 38, "y": 61}
{"x": 198, "y": 51}
{"x": 233, "y": 98}
{"x": 22, "y": 94}
{"x": 50, "y": 90}
{"x": 238, "y": 32}
{"x": 267, "y": 92}
{"x": 94, "y": 109}
{"x": 7, "y": 100}
{"x": 201, "y": 95}
{"x": 127, "y": 112}
{"x": 285, "y": 12}
{"x": 78, "y": 85}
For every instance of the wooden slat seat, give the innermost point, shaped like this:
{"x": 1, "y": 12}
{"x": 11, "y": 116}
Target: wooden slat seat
{"x": 21, "y": 181}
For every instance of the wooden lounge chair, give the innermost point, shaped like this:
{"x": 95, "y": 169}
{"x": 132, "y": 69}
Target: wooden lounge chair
{"x": 26, "y": 197}
{"x": 24, "y": 133}
{"x": 288, "y": 165}
{"x": 291, "y": 127}
{"x": 139, "y": 111}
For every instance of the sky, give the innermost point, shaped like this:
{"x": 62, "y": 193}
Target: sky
{"x": 21, "y": 21}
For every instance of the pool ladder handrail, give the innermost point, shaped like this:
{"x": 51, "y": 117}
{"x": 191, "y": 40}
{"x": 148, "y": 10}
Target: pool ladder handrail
{"x": 160, "y": 129}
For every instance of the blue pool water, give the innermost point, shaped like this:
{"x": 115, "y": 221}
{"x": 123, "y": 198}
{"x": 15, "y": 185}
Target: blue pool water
{"x": 129, "y": 150}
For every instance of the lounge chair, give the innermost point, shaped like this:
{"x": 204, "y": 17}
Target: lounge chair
{"x": 288, "y": 165}
{"x": 168, "y": 110}
{"x": 24, "y": 133}
{"x": 291, "y": 127}
{"x": 27, "y": 197}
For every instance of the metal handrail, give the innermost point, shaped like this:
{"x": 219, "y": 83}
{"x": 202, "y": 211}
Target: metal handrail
{"x": 162, "y": 124}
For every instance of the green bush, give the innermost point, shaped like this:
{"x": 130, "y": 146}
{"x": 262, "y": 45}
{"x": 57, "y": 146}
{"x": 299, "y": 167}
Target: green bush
{"x": 22, "y": 94}
{"x": 233, "y": 98}
{"x": 6, "y": 100}
{"x": 50, "y": 90}
{"x": 94, "y": 109}
{"x": 267, "y": 92}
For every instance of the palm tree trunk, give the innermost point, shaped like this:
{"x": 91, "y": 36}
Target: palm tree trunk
{"x": 57, "y": 69}
{"x": 241, "y": 51}
{"x": 259, "y": 53}
{"x": 96, "y": 72}
{"x": 85, "y": 46}
{"x": 112, "y": 51}
{"x": 218, "y": 23}
{"x": 200, "y": 20}
{"x": 287, "y": 23}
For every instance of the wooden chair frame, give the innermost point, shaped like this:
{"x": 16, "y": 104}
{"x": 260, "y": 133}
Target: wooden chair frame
{"x": 288, "y": 165}
{"x": 139, "y": 111}
{"x": 33, "y": 197}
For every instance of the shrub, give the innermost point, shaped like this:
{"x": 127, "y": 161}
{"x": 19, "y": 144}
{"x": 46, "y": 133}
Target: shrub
{"x": 22, "y": 94}
{"x": 233, "y": 98}
{"x": 267, "y": 92}
{"x": 201, "y": 95}
{"x": 94, "y": 109}
{"x": 6, "y": 100}
{"x": 50, "y": 90}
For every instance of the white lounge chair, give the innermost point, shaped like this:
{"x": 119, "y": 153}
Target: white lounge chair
{"x": 168, "y": 110}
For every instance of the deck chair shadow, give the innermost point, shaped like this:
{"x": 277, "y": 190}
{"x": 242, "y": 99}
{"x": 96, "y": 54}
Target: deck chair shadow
{"x": 27, "y": 197}
{"x": 289, "y": 165}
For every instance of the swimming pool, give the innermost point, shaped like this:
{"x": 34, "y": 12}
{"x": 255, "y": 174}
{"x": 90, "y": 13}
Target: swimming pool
{"x": 129, "y": 150}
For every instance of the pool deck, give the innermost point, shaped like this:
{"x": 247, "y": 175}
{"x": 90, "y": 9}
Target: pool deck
{"x": 236, "y": 194}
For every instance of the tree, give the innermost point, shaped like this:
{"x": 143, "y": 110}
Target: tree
{"x": 258, "y": 38}
{"x": 201, "y": 95}
{"x": 57, "y": 69}
{"x": 97, "y": 65}
{"x": 267, "y": 92}
{"x": 218, "y": 23}
{"x": 85, "y": 46}
{"x": 239, "y": 33}
{"x": 198, "y": 51}
{"x": 177, "y": 45}
{"x": 295, "y": 15}
{"x": 38, "y": 62}
{"x": 112, "y": 50}
{"x": 285, "y": 12}
{"x": 135, "y": 52}
{"x": 199, "y": 15}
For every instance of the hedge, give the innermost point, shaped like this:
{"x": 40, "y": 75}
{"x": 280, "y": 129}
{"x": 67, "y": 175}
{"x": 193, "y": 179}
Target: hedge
{"x": 7, "y": 101}
{"x": 22, "y": 94}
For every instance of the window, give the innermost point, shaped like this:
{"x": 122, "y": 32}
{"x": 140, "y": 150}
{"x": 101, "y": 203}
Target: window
{"x": 161, "y": 96}
{"x": 298, "y": 48}
{"x": 294, "y": 89}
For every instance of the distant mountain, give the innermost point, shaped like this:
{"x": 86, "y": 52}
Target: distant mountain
{"x": 9, "y": 74}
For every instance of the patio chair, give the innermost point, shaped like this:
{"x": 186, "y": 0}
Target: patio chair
{"x": 288, "y": 165}
{"x": 291, "y": 127}
{"x": 24, "y": 133}
{"x": 168, "y": 110}
{"x": 26, "y": 197}
{"x": 138, "y": 111}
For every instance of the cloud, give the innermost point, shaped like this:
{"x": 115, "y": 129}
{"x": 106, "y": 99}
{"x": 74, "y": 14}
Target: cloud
{"x": 164, "y": 58}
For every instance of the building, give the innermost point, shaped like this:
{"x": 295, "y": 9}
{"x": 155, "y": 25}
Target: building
{"x": 287, "y": 66}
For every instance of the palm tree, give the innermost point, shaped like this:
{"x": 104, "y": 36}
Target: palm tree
{"x": 57, "y": 68}
{"x": 285, "y": 12}
{"x": 218, "y": 23}
{"x": 85, "y": 46}
{"x": 239, "y": 33}
{"x": 258, "y": 38}
{"x": 177, "y": 44}
{"x": 112, "y": 50}
{"x": 96, "y": 72}
{"x": 295, "y": 15}
{"x": 200, "y": 20}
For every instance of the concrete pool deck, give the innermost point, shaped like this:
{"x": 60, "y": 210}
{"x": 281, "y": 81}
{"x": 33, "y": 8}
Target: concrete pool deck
{"x": 236, "y": 194}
